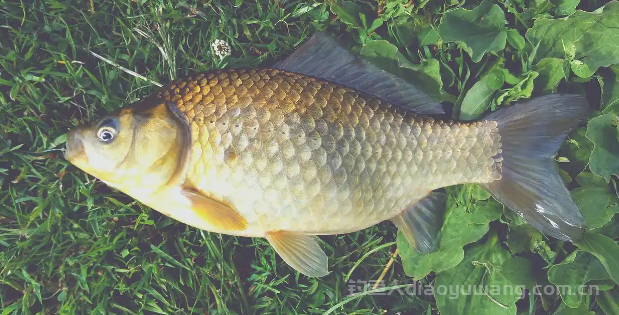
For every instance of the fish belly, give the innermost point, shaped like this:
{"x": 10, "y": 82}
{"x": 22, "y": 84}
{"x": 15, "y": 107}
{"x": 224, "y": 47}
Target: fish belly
{"x": 295, "y": 153}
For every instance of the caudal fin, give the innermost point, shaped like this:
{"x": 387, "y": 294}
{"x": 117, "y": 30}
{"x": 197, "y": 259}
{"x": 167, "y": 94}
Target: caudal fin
{"x": 531, "y": 133}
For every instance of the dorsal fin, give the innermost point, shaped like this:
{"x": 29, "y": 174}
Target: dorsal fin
{"x": 323, "y": 57}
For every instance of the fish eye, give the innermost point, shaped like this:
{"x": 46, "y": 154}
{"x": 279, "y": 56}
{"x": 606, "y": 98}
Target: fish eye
{"x": 107, "y": 131}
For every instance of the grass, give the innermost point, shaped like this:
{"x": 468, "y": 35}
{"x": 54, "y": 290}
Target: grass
{"x": 71, "y": 245}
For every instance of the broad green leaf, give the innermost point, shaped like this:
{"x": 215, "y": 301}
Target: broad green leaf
{"x": 405, "y": 33}
{"x": 522, "y": 89}
{"x": 589, "y": 36}
{"x": 551, "y": 72}
{"x": 577, "y": 149}
{"x": 487, "y": 212}
{"x": 397, "y": 10}
{"x": 375, "y": 24}
{"x": 469, "y": 194}
{"x": 544, "y": 250}
{"x": 380, "y": 52}
{"x": 603, "y": 133}
{"x": 595, "y": 286}
{"x": 478, "y": 31}
{"x": 477, "y": 285}
{"x": 518, "y": 271}
{"x": 417, "y": 32}
{"x": 418, "y": 266}
{"x": 348, "y": 12}
{"x": 565, "y": 7}
{"x": 590, "y": 179}
{"x": 581, "y": 69}
{"x": 610, "y": 89}
{"x": 510, "y": 78}
{"x": 596, "y": 202}
{"x": 523, "y": 238}
{"x": 428, "y": 36}
{"x": 605, "y": 249}
{"x": 565, "y": 176}
{"x": 425, "y": 76}
{"x": 515, "y": 39}
{"x": 463, "y": 224}
{"x": 480, "y": 95}
{"x": 611, "y": 229}
{"x": 573, "y": 273}
{"x": 609, "y": 301}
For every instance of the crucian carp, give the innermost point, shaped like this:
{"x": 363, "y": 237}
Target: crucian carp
{"x": 325, "y": 143}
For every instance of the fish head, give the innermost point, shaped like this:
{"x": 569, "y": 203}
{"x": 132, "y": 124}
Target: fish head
{"x": 142, "y": 147}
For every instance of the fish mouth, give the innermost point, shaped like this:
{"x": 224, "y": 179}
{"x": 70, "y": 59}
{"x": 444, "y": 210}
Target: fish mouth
{"x": 74, "y": 151}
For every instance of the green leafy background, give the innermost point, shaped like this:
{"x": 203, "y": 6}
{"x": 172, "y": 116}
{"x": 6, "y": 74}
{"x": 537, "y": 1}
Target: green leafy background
{"x": 71, "y": 245}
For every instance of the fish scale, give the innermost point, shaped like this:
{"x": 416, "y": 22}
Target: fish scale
{"x": 296, "y": 153}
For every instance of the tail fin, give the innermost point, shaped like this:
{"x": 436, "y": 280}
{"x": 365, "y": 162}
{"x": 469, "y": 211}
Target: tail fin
{"x": 531, "y": 133}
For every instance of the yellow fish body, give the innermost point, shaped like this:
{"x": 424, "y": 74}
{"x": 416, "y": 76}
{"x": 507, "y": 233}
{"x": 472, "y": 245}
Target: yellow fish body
{"x": 324, "y": 144}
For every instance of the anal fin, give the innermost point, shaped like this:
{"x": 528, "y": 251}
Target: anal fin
{"x": 216, "y": 213}
{"x": 421, "y": 224}
{"x": 300, "y": 251}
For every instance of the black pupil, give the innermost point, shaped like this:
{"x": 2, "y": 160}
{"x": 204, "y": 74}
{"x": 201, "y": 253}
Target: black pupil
{"x": 106, "y": 136}
{"x": 107, "y": 130}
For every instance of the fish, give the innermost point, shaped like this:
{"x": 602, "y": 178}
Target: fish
{"x": 326, "y": 143}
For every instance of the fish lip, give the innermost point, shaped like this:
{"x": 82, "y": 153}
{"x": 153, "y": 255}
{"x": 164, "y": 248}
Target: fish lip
{"x": 74, "y": 148}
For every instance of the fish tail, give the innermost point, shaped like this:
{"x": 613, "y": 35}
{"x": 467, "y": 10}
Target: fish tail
{"x": 531, "y": 133}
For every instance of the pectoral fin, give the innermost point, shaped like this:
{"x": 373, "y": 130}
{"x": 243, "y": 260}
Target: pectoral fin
{"x": 300, "y": 251}
{"x": 216, "y": 213}
{"x": 421, "y": 224}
